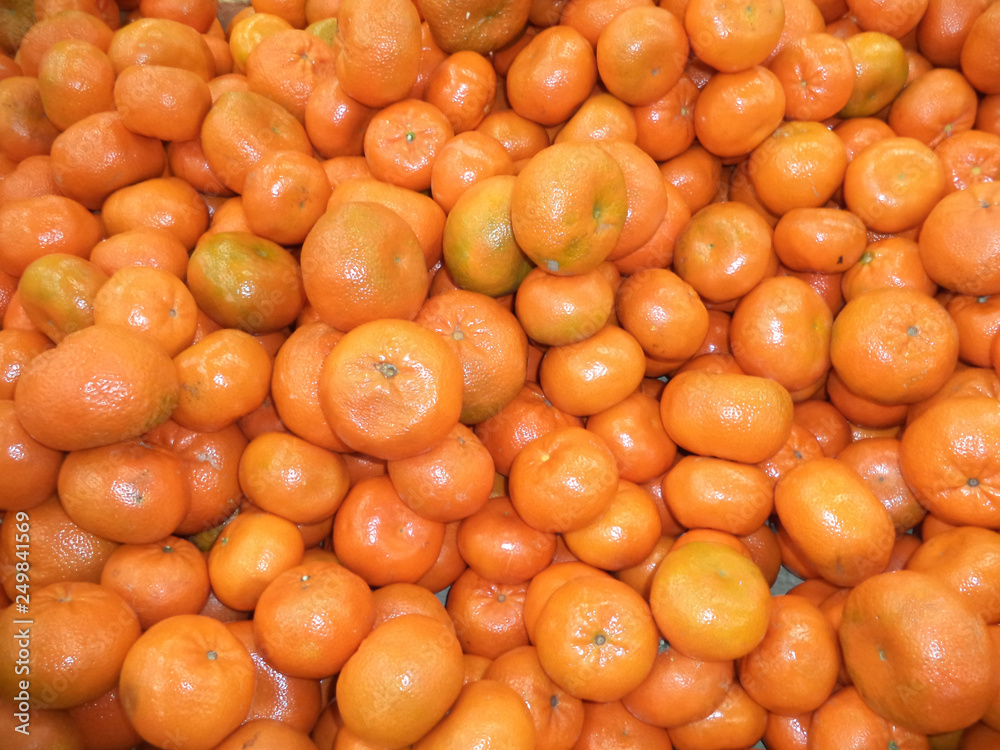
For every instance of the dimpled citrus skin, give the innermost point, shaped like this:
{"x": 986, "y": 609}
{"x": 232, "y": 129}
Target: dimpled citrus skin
{"x": 835, "y": 519}
{"x": 710, "y": 601}
{"x": 100, "y": 385}
{"x": 960, "y": 240}
{"x": 894, "y": 346}
{"x": 596, "y": 638}
{"x": 391, "y": 388}
{"x": 909, "y": 629}
{"x": 401, "y": 680}
{"x": 187, "y": 682}
{"x": 726, "y": 415}
{"x": 568, "y": 207}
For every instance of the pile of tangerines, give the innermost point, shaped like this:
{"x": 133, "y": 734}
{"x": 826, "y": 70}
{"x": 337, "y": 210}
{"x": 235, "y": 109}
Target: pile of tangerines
{"x": 584, "y": 317}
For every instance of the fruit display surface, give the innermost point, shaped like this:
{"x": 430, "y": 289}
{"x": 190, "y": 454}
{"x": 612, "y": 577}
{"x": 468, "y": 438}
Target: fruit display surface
{"x": 513, "y": 374}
